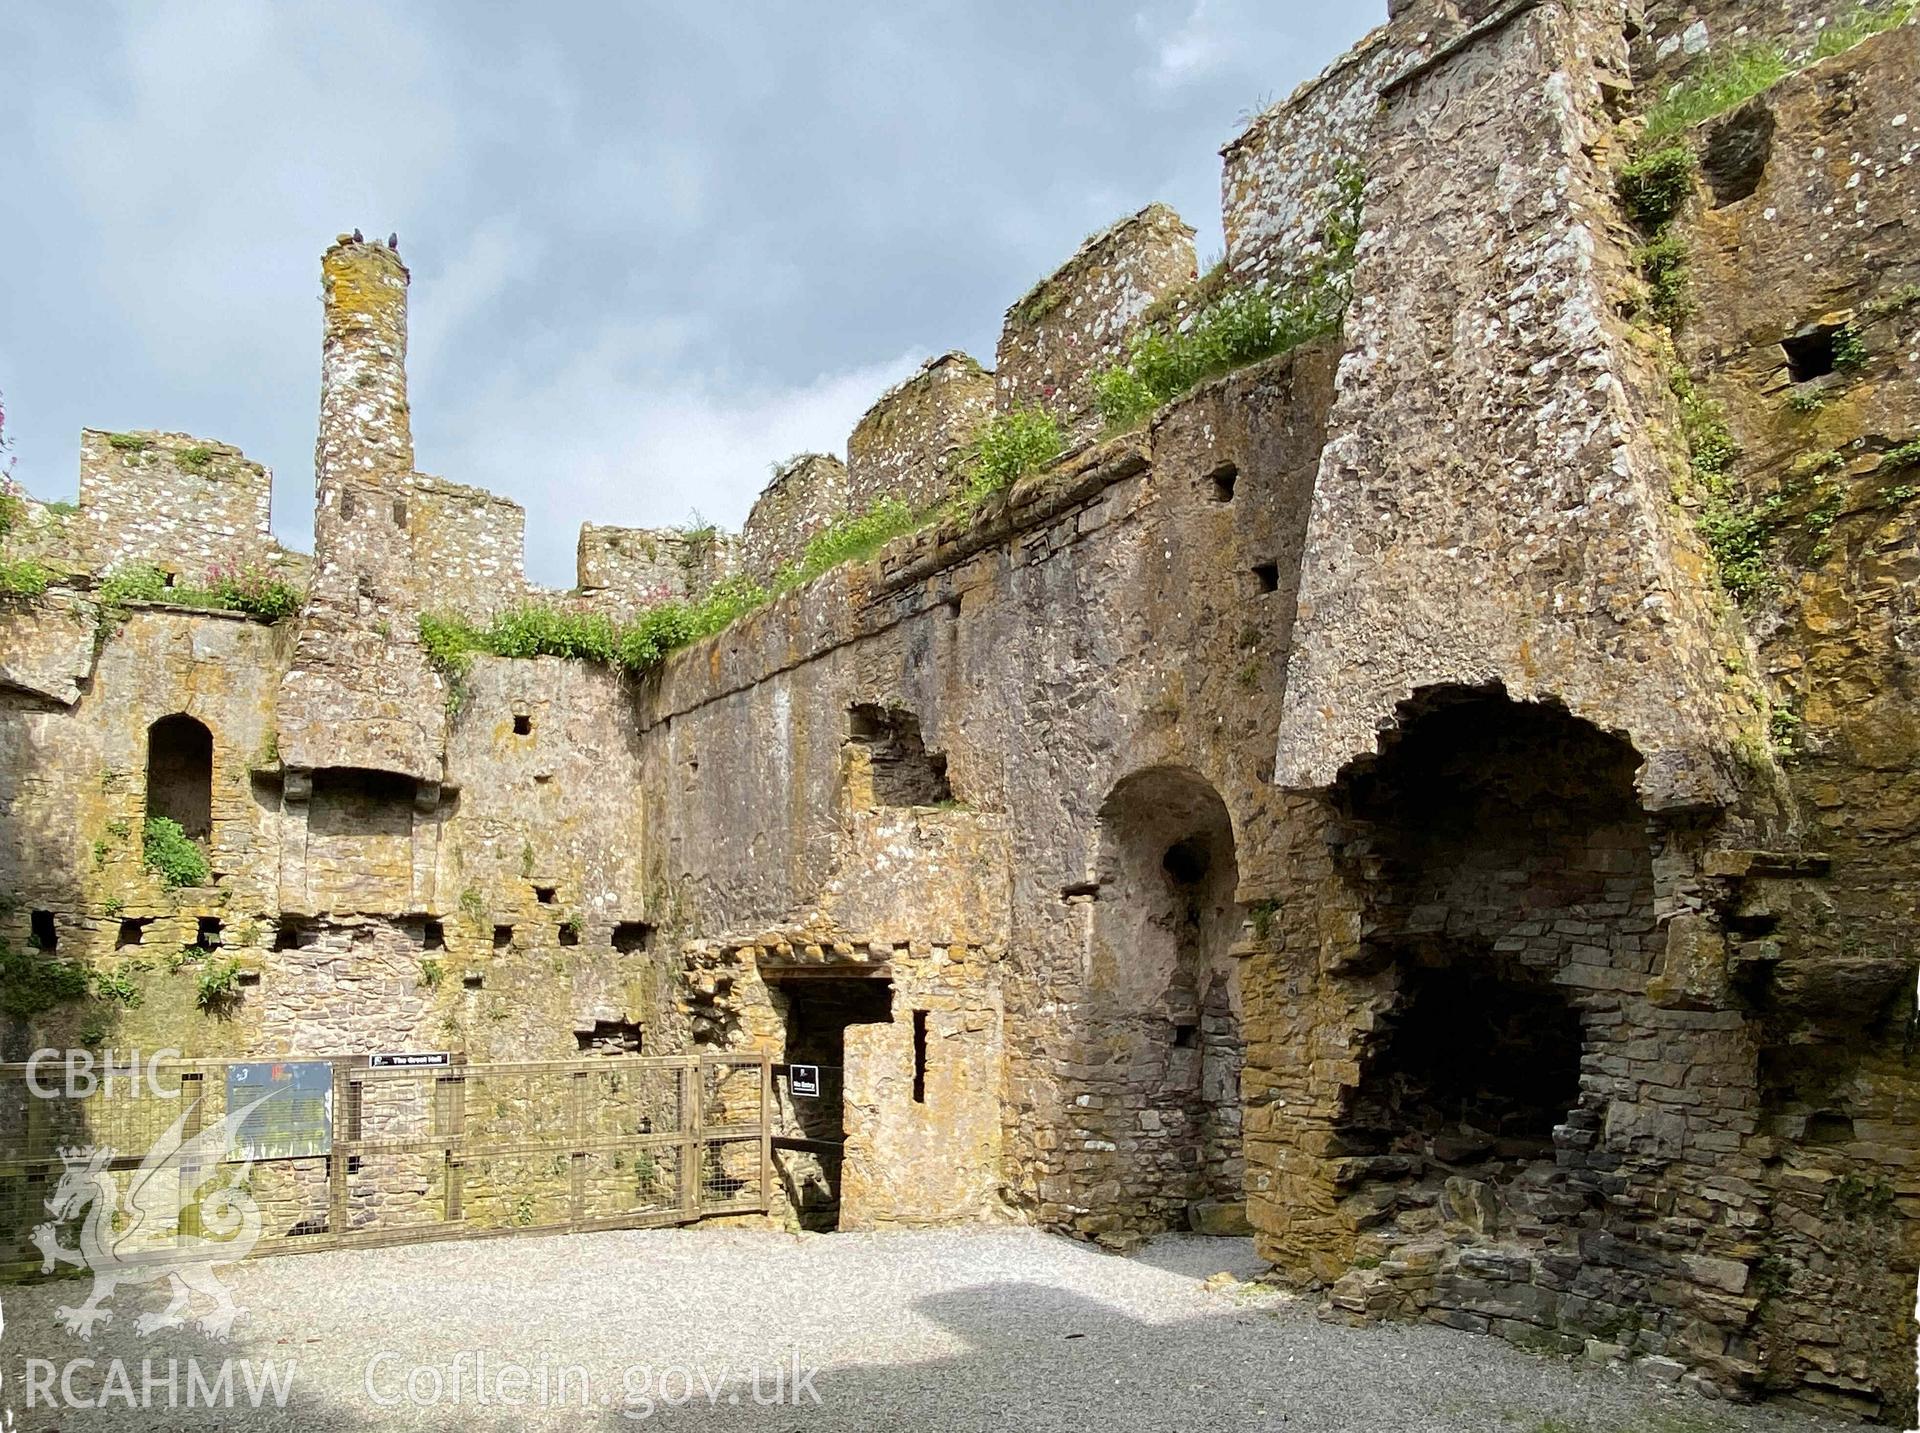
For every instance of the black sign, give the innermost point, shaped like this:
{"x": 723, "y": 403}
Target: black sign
{"x": 804, "y": 1080}
{"x": 398, "y": 1060}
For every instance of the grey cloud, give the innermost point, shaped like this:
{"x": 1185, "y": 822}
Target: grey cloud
{"x": 654, "y": 247}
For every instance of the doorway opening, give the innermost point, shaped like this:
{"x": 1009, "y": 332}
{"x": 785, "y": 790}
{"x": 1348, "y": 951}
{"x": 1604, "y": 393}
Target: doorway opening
{"x": 810, "y": 1130}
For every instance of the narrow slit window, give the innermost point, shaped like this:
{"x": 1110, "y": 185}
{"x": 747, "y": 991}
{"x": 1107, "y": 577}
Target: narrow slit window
{"x": 919, "y": 1057}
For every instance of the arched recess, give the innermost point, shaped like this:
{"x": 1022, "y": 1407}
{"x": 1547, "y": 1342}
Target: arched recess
{"x": 180, "y": 773}
{"x": 1504, "y": 869}
{"x": 1163, "y": 1000}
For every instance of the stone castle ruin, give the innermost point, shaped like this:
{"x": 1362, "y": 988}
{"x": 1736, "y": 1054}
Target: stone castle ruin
{"x": 1444, "y": 794}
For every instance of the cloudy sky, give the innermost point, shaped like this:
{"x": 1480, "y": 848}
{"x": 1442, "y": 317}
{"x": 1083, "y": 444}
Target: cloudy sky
{"x": 655, "y": 247}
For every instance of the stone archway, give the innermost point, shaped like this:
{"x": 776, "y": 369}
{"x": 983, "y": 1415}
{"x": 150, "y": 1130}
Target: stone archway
{"x": 1162, "y": 1007}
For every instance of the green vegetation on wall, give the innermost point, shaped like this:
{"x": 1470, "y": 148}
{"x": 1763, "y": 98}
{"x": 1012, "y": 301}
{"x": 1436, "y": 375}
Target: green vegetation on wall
{"x": 1006, "y": 448}
{"x": 172, "y": 855}
{"x": 1232, "y": 327}
{"x": 226, "y": 589}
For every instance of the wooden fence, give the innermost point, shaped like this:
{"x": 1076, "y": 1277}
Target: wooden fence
{"x": 343, "y": 1155}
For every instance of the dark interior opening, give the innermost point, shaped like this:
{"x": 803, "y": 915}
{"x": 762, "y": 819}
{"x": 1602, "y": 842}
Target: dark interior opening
{"x": 1188, "y": 860}
{"x": 817, "y": 1011}
{"x": 633, "y": 937}
{"x": 1809, "y": 352}
{"x": 611, "y": 1037}
{"x": 919, "y": 1057}
{"x": 43, "y": 932}
{"x": 570, "y": 933}
{"x": 905, "y": 773}
{"x": 180, "y": 773}
{"x": 522, "y": 724}
{"x": 1734, "y": 158}
{"x": 544, "y": 894}
{"x": 290, "y": 933}
{"x": 133, "y": 930}
{"x": 1479, "y": 1062}
{"x": 1186, "y": 1035}
{"x": 1222, "y": 480}
{"x": 351, "y": 801}
{"x": 208, "y": 932}
{"x": 1494, "y": 844}
{"x": 502, "y": 937}
{"x": 433, "y": 936}
{"x": 399, "y": 512}
{"x": 1267, "y": 576}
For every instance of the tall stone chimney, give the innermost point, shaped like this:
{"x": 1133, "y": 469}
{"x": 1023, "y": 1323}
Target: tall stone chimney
{"x": 359, "y": 692}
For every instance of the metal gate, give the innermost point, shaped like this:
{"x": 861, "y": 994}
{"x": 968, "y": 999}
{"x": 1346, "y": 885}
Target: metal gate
{"x": 359, "y": 1156}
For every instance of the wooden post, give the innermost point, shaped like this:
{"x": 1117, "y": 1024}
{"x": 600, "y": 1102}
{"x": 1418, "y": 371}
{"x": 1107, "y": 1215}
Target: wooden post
{"x": 578, "y": 1172}
{"x": 766, "y": 1131}
{"x": 693, "y": 1095}
{"x": 345, "y": 1101}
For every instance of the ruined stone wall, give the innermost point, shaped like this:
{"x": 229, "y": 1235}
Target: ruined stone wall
{"x": 1799, "y": 226}
{"x": 469, "y": 546}
{"x": 1455, "y": 534}
{"x": 807, "y": 493}
{"x": 1076, "y": 321}
{"x": 911, "y": 443}
{"x": 359, "y": 920}
{"x": 1280, "y": 176}
{"x": 184, "y": 504}
{"x": 752, "y": 762}
{"x": 624, "y": 570}
{"x": 1676, "y": 34}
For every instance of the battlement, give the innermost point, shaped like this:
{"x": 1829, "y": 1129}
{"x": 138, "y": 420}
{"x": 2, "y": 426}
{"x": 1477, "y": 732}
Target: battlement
{"x": 807, "y": 493}
{"x": 910, "y": 443}
{"x": 624, "y": 570}
{"x": 184, "y": 504}
{"x": 1076, "y": 321}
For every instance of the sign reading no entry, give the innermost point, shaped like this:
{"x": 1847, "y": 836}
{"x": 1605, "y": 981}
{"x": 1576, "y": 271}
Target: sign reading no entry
{"x": 804, "y": 1080}
{"x": 408, "y": 1060}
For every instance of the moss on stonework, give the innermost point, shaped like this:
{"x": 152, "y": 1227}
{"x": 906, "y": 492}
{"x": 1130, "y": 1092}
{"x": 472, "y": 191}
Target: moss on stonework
{"x": 1654, "y": 186}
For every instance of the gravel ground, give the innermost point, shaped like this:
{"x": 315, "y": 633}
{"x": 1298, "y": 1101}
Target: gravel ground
{"x": 910, "y": 1331}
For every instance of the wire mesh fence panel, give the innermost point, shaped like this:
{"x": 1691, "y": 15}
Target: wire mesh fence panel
{"x": 624, "y": 1183}
{"x": 517, "y": 1191}
{"x": 23, "y": 1208}
{"x": 293, "y": 1197}
{"x": 624, "y": 1100}
{"x": 730, "y": 1093}
{"x": 395, "y": 1190}
{"x": 391, "y": 1109}
{"x": 515, "y": 1105}
{"x": 730, "y": 1174}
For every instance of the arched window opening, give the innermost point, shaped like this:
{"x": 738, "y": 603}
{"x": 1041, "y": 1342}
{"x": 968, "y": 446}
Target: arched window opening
{"x": 180, "y": 773}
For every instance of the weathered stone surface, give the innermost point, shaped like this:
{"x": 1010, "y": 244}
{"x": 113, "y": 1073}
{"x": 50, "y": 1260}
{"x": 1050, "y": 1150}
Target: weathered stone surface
{"x": 807, "y": 493}
{"x": 625, "y": 570}
{"x": 360, "y": 694}
{"x": 46, "y": 647}
{"x": 911, "y": 443}
{"x": 1511, "y": 514}
{"x": 1076, "y": 321}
